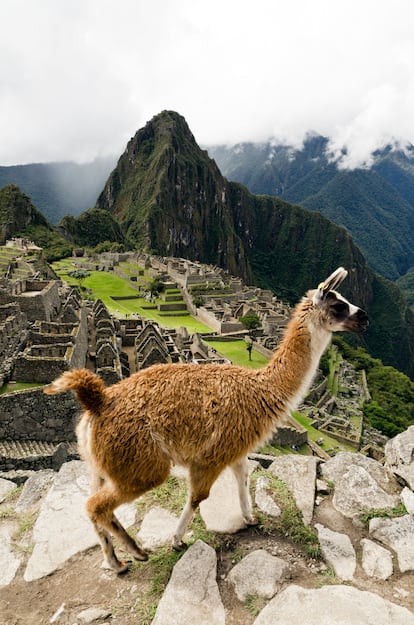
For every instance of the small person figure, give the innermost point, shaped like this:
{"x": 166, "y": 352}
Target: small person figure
{"x": 249, "y": 349}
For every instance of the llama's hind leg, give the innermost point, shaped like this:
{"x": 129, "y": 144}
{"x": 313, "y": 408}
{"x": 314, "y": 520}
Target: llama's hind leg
{"x": 100, "y": 509}
{"x": 241, "y": 472}
{"x": 201, "y": 480}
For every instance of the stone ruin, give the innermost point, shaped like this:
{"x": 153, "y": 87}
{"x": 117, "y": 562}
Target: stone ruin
{"x": 45, "y": 329}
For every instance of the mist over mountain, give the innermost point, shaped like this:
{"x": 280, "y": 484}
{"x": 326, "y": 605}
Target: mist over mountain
{"x": 376, "y": 204}
{"x": 59, "y": 189}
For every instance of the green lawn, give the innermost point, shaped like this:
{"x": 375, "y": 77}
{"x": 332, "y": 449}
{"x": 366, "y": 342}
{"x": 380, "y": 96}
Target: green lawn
{"x": 236, "y": 352}
{"x": 10, "y": 387}
{"x": 104, "y": 284}
{"x": 314, "y": 435}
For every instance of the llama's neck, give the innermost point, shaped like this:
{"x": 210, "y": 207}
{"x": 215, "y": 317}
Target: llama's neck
{"x": 296, "y": 360}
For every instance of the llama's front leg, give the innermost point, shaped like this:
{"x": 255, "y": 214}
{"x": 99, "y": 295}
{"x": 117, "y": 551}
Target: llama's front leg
{"x": 201, "y": 480}
{"x": 184, "y": 521}
{"x": 241, "y": 472}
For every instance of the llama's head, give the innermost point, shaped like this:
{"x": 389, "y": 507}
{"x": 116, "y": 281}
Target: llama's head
{"x": 335, "y": 313}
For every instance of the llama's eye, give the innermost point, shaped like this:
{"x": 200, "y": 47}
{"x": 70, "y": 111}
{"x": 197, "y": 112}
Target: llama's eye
{"x": 339, "y": 307}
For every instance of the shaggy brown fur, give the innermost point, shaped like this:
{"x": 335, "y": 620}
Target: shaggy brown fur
{"x": 203, "y": 417}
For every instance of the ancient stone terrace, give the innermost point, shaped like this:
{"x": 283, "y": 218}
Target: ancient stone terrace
{"x": 52, "y": 348}
{"x": 39, "y": 299}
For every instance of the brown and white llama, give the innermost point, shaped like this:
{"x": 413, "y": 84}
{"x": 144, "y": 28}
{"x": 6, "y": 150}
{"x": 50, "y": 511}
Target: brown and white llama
{"x": 205, "y": 418}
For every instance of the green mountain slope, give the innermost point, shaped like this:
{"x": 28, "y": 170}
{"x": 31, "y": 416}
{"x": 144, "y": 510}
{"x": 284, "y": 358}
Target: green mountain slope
{"x": 17, "y": 213}
{"x": 170, "y": 198}
{"x": 18, "y": 217}
{"x": 376, "y": 205}
{"x": 380, "y": 220}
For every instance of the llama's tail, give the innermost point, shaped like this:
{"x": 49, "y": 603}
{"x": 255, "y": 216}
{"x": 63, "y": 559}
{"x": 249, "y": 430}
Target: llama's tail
{"x": 88, "y": 387}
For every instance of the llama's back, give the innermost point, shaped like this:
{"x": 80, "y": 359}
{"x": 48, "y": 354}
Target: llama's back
{"x": 195, "y": 410}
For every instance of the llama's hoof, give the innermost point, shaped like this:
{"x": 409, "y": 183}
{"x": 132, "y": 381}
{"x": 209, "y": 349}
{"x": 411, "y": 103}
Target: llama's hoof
{"x": 179, "y": 545}
{"x": 141, "y": 556}
{"x": 253, "y": 520}
{"x": 124, "y": 567}
{"x": 120, "y": 567}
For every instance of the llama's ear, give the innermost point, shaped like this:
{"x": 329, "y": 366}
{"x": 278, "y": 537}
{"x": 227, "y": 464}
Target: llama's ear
{"x": 330, "y": 284}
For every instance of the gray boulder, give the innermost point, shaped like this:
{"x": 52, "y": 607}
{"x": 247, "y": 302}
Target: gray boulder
{"x": 398, "y": 534}
{"x": 6, "y": 486}
{"x": 332, "y": 605}
{"x": 192, "y": 595}
{"x": 259, "y": 573}
{"x": 376, "y": 560}
{"x": 299, "y": 475}
{"x": 399, "y": 456}
{"x": 338, "y": 551}
{"x": 263, "y": 500}
{"x": 33, "y": 490}
{"x": 334, "y": 469}
{"x": 357, "y": 490}
{"x": 157, "y": 528}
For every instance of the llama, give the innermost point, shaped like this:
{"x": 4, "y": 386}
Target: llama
{"x": 203, "y": 417}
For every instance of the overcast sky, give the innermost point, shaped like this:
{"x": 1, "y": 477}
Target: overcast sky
{"x": 78, "y": 78}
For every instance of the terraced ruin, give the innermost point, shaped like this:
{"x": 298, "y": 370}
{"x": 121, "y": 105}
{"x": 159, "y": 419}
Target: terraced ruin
{"x": 49, "y": 326}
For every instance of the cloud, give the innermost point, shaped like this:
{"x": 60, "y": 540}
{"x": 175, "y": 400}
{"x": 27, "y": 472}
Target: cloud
{"x": 78, "y": 78}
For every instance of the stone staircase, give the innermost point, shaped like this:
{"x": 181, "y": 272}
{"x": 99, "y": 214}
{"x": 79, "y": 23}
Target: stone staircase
{"x": 20, "y": 458}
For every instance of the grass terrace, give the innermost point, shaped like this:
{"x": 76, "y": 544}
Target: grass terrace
{"x": 11, "y": 387}
{"x": 236, "y": 351}
{"x": 105, "y": 285}
{"x": 314, "y": 435}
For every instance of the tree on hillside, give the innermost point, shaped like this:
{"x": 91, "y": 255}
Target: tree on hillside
{"x": 250, "y": 322}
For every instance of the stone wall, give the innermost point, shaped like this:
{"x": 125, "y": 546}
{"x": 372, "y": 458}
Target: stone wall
{"x": 45, "y": 359}
{"x": 39, "y": 299}
{"x": 32, "y": 415}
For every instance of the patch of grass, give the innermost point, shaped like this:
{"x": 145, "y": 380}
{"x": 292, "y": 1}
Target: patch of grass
{"x": 255, "y": 604}
{"x": 314, "y": 434}
{"x": 11, "y": 387}
{"x": 26, "y": 521}
{"x": 103, "y": 284}
{"x": 236, "y": 351}
{"x": 290, "y": 523}
{"x": 327, "y": 577}
{"x": 7, "y": 512}
{"x": 384, "y": 513}
{"x": 171, "y": 495}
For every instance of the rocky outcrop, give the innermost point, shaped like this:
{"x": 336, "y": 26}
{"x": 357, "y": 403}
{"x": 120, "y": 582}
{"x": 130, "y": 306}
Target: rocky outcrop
{"x": 378, "y": 557}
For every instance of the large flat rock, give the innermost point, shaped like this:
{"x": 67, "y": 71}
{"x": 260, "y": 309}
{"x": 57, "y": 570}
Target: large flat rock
{"x": 221, "y": 512}
{"x": 192, "y": 595}
{"x": 299, "y": 475}
{"x": 62, "y": 528}
{"x": 332, "y": 605}
{"x": 398, "y": 534}
{"x": 9, "y": 563}
{"x": 399, "y": 456}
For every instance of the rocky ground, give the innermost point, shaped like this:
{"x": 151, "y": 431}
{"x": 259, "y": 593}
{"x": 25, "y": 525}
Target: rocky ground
{"x": 50, "y": 564}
